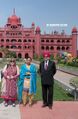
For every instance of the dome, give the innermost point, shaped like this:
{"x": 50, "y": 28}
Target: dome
{"x": 14, "y": 19}
{"x": 74, "y": 29}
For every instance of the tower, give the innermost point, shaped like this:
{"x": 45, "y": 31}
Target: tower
{"x": 37, "y": 41}
{"x": 74, "y": 42}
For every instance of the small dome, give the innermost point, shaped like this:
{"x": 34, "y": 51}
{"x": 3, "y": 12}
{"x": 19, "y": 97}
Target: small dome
{"x": 33, "y": 24}
{"x": 38, "y": 29}
{"x": 74, "y": 29}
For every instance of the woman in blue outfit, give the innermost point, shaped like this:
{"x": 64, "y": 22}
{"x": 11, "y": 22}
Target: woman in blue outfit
{"x": 27, "y": 82}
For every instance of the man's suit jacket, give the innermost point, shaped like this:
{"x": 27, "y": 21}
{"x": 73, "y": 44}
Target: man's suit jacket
{"x": 47, "y": 75}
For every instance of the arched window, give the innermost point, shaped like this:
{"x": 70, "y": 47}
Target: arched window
{"x": 2, "y": 46}
{"x": 42, "y": 40}
{"x": 47, "y": 47}
{"x": 26, "y": 55}
{"x": 33, "y": 40}
{"x": 1, "y": 55}
{"x": 25, "y": 47}
{"x": 2, "y": 40}
{"x": 63, "y": 48}
{"x": 42, "y": 47}
{"x": 52, "y": 48}
{"x": 13, "y": 47}
{"x": 58, "y": 41}
{"x": 52, "y": 40}
{"x": 19, "y": 47}
{"x": 7, "y": 46}
{"x": 58, "y": 48}
{"x": 29, "y": 40}
{"x": 19, "y": 33}
{"x": 68, "y": 41}
{"x": 29, "y": 47}
{"x": 19, "y": 55}
{"x": 19, "y": 40}
{"x": 7, "y": 40}
{"x": 67, "y": 48}
{"x": 25, "y": 40}
{"x": 47, "y": 40}
{"x": 13, "y": 26}
{"x": 13, "y": 40}
{"x": 63, "y": 41}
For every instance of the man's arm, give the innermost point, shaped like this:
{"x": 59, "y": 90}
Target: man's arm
{"x": 54, "y": 68}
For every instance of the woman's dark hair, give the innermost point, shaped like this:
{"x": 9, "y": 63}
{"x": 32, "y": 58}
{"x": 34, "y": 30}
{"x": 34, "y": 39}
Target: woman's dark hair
{"x": 29, "y": 57}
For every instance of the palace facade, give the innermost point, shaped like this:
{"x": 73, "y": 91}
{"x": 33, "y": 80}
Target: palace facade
{"x": 29, "y": 41}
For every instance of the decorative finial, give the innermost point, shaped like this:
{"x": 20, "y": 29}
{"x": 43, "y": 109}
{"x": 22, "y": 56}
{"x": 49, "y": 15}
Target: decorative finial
{"x": 14, "y": 11}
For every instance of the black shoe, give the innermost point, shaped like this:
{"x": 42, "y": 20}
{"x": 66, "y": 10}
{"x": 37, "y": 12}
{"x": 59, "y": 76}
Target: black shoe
{"x": 44, "y": 105}
{"x": 50, "y": 106}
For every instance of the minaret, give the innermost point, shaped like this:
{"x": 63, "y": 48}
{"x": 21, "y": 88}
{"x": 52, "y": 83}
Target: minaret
{"x": 37, "y": 41}
{"x": 74, "y": 42}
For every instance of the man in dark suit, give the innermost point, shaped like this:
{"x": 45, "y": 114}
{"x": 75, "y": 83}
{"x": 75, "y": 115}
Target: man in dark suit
{"x": 47, "y": 70}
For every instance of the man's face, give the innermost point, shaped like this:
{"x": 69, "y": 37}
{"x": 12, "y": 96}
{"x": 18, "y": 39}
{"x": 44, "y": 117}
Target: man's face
{"x": 46, "y": 58}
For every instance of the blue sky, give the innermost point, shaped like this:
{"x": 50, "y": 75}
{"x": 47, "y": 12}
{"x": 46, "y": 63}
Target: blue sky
{"x": 42, "y": 12}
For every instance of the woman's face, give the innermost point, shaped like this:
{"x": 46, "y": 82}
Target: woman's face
{"x": 28, "y": 61}
{"x": 12, "y": 62}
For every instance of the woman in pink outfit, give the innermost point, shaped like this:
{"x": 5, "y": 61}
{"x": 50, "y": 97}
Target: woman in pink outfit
{"x": 10, "y": 74}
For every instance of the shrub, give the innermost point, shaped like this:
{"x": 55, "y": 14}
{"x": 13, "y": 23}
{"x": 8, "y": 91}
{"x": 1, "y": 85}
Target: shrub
{"x": 41, "y": 58}
{"x": 52, "y": 57}
{"x": 74, "y": 82}
{"x": 35, "y": 57}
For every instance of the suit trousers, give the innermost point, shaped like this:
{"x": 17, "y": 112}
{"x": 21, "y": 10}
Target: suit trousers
{"x": 47, "y": 94}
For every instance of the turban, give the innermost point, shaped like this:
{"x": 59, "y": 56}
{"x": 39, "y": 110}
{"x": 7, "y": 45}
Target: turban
{"x": 46, "y": 54}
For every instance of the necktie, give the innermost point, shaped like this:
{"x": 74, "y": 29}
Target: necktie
{"x": 46, "y": 65}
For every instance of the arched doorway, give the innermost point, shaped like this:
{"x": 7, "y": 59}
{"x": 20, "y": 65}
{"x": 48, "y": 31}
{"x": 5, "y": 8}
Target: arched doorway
{"x": 26, "y": 55}
{"x": 0, "y": 55}
{"x": 19, "y": 55}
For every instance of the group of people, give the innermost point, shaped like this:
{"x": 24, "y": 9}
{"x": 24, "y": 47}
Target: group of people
{"x": 21, "y": 83}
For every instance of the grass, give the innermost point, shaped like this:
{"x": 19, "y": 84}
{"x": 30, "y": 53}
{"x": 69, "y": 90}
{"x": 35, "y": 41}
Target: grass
{"x": 68, "y": 67}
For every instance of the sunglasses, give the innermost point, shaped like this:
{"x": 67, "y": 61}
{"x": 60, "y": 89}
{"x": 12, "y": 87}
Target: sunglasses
{"x": 12, "y": 61}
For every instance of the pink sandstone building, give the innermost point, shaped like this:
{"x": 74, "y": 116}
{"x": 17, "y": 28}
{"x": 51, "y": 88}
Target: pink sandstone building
{"x": 29, "y": 41}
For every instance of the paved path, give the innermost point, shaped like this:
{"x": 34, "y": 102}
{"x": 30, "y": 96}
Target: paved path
{"x": 63, "y": 77}
{"x": 9, "y": 112}
{"x": 61, "y": 110}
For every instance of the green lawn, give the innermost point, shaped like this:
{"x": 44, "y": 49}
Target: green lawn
{"x": 68, "y": 67}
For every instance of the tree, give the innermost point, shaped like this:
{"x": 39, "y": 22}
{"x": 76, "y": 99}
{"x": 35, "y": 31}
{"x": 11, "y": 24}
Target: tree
{"x": 11, "y": 54}
{"x": 58, "y": 57}
{"x": 52, "y": 57}
{"x": 35, "y": 56}
{"x": 41, "y": 58}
